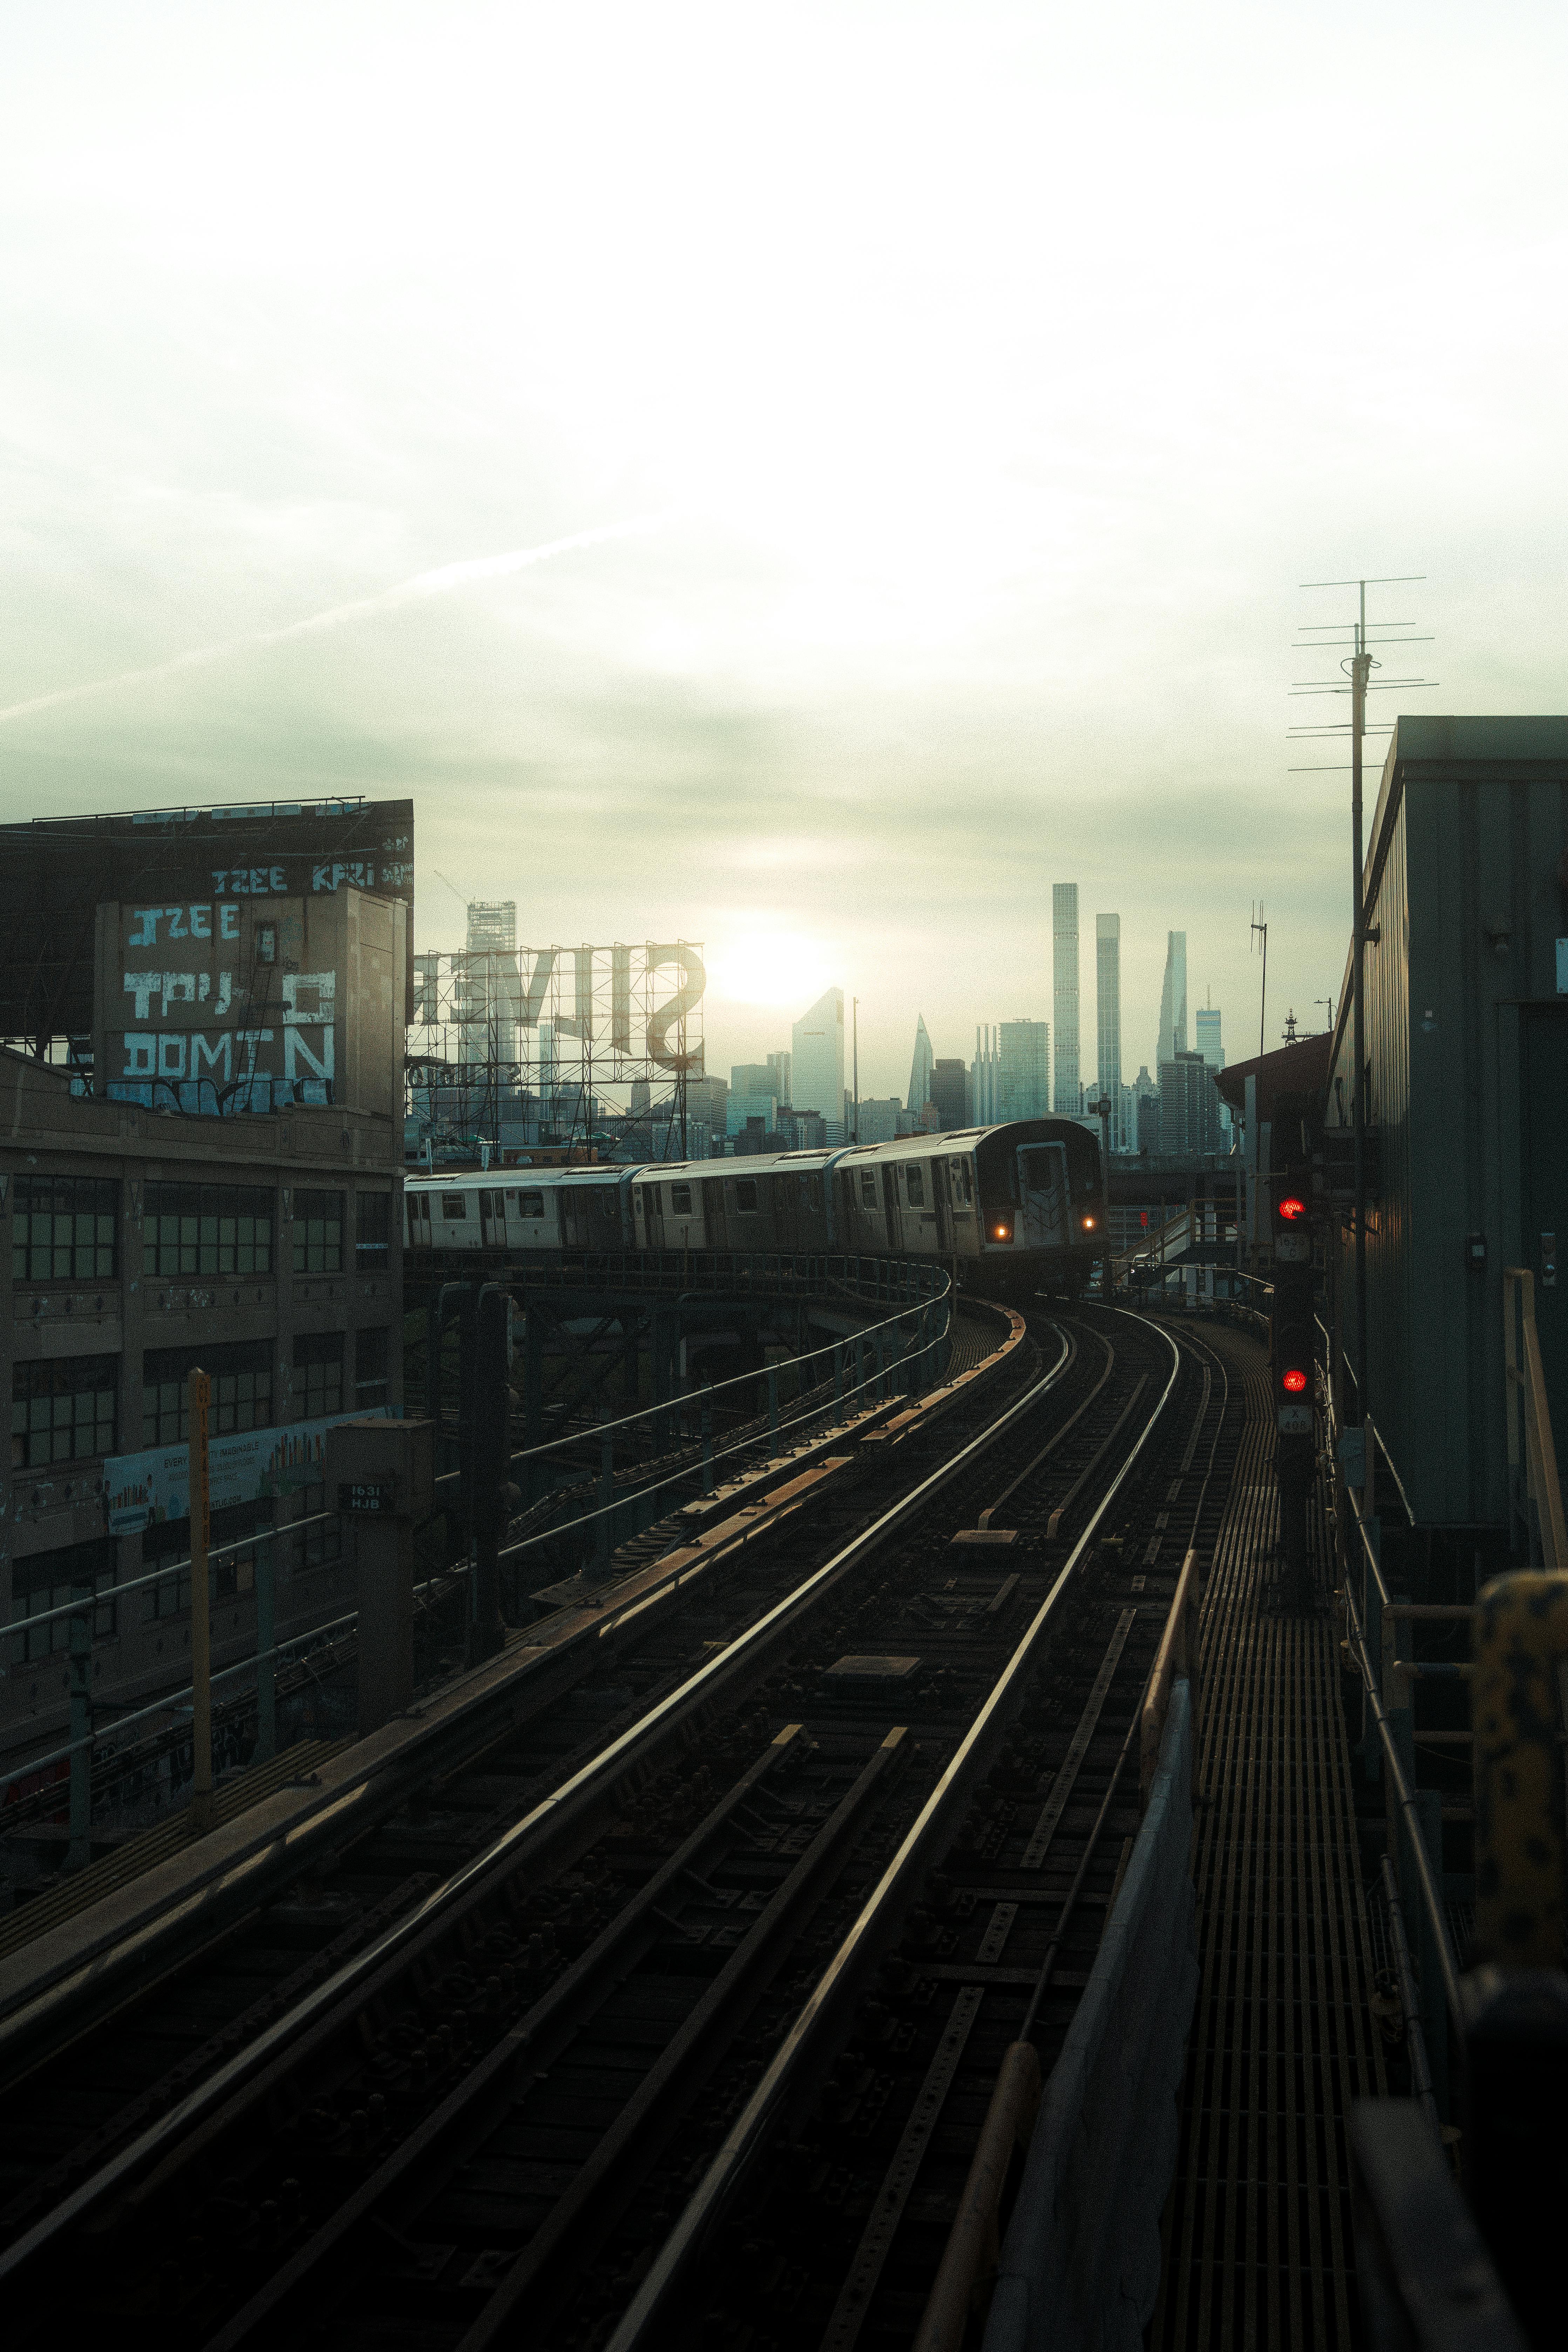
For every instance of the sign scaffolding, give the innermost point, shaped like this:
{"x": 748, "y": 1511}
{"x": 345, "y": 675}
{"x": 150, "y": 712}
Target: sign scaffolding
{"x": 570, "y": 1047}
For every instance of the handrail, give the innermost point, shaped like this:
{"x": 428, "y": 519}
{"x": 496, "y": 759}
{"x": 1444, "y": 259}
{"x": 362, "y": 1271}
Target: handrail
{"x": 1524, "y": 1390}
{"x": 1431, "y": 1894}
{"x": 741, "y": 1445}
{"x": 102, "y": 1734}
{"x": 912, "y": 1307}
{"x": 1177, "y": 1656}
{"x": 1409, "y": 2002}
{"x": 99, "y": 1595}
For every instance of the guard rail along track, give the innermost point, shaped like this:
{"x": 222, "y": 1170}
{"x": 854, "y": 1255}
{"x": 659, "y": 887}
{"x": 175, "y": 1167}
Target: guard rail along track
{"x": 565, "y": 2077}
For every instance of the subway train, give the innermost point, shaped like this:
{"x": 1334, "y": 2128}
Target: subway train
{"x": 1020, "y": 1208}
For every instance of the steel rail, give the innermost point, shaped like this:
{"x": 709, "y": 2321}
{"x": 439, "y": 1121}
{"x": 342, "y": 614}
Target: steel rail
{"x": 754, "y": 2127}
{"x": 159, "y": 2142}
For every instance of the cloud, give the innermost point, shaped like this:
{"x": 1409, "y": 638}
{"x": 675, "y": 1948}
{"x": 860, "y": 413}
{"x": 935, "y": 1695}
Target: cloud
{"x": 437, "y": 583}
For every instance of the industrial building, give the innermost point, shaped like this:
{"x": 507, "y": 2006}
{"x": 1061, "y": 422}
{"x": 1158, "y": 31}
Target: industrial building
{"x": 1467, "y": 1049}
{"x": 208, "y": 1175}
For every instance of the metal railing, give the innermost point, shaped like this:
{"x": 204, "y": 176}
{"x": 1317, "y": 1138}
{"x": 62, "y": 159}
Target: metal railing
{"x": 926, "y": 1290}
{"x": 1527, "y": 1405}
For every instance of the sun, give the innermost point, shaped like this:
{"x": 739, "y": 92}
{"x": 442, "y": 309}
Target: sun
{"x": 759, "y": 961}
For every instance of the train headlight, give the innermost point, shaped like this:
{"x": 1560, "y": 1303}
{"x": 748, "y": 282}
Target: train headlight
{"x": 1088, "y": 1224}
{"x": 1001, "y": 1232}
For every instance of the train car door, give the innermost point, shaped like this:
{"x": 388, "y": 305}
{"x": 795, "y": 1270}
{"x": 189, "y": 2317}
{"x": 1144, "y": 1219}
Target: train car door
{"x": 492, "y": 1220}
{"x": 943, "y": 1206}
{"x": 714, "y": 1212}
{"x": 1043, "y": 1200}
{"x": 891, "y": 1209}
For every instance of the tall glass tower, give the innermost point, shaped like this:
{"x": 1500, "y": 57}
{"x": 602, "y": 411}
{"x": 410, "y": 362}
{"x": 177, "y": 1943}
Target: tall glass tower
{"x": 1068, "y": 1098}
{"x": 1108, "y": 1002}
{"x": 921, "y": 1068}
{"x": 1174, "y": 1001}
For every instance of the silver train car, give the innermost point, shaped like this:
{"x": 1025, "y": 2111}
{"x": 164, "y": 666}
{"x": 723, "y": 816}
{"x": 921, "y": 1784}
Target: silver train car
{"x": 1019, "y": 1208}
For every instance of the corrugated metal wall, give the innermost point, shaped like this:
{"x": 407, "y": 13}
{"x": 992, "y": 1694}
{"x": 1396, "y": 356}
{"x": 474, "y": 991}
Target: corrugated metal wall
{"x": 1473, "y": 818}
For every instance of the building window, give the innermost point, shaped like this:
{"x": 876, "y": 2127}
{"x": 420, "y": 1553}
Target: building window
{"x": 207, "y": 1229}
{"x": 241, "y": 1375}
{"x": 373, "y": 1230}
{"x": 372, "y": 1355}
{"x": 323, "y": 1543}
{"x": 318, "y": 1233}
{"x": 62, "y": 1410}
{"x": 64, "y": 1229}
{"x": 47, "y": 1580}
{"x": 228, "y": 1577}
{"x": 318, "y": 1372}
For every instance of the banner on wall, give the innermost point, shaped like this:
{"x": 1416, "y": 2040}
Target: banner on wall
{"x": 141, "y": 1490}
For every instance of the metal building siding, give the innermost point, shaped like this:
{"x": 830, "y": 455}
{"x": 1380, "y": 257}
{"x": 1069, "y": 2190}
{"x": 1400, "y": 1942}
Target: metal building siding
{"x": 1471, "y": 819}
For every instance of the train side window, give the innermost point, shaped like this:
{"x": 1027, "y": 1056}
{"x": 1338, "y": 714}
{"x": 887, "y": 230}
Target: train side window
{"x": 745, "y": 1192}
{"x": 680, "y": 1199}
{"x": 914, "y": 1185}
{"x": 867, "y": 1188}
{"x": 453, "y": 1205}
{"x": 530, "y": 1204}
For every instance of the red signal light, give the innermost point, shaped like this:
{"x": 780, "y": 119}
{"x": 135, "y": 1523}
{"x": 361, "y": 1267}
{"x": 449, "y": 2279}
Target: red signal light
{"x": 1295, "y": 1381}
{"x": 1290, "y": 1208}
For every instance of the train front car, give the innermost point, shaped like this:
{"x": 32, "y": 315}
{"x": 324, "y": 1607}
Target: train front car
{"x": 1042, "y": 1202}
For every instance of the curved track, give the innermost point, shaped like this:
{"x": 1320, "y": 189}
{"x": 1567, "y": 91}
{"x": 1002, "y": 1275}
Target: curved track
{"x": 564, "y": 2076}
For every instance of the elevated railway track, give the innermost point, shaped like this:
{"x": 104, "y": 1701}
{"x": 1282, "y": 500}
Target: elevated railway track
{"x": 540, "y": 2031}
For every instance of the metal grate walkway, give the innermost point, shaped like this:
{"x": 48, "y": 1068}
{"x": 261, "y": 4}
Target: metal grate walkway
{"x": 1259, "y": 2249}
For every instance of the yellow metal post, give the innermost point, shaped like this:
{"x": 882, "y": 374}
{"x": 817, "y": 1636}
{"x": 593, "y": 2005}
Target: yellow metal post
{"x": 1521, "y": 1631}
{"x": 199, "y": 1396}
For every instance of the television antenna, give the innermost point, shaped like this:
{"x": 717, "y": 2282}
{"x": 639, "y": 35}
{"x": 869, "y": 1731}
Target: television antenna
{"x": 1356, "y": 670}
{"x": 1260, "y": 932}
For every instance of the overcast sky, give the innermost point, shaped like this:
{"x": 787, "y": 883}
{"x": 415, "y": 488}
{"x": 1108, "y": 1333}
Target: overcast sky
{"x": 957, "y": 393}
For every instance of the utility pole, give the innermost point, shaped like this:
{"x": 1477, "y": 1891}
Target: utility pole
{"x": 1260, "y": 930}
{"x": 1358, "y": 667}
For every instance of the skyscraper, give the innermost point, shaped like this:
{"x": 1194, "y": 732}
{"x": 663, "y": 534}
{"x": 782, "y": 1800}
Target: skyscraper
{"x": 1189, "y": 1106}
{"x": 982, "y": 1080}
{"x": 949, "y": 1092}
{"x": 489, "y": 1034}
{"x": 1173, "y": 1001}
{"x": 816, "y": 1061}
{"x": 921, "y": 1068}
{"x": 1205, "y": 1025}
{"x": 1107, "y": 1018}
{"x": 1064, "y": 975}
{"x": 1024, "y": 1069}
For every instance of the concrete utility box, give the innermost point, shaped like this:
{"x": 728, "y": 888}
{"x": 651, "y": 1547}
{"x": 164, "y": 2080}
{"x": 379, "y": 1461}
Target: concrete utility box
{"x": 380, "y": 1474}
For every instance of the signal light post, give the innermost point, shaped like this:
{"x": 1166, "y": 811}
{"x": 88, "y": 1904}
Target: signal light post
{"x": 1291, "y": 1355}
